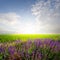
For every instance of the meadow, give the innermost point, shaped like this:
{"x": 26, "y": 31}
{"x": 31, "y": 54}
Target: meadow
{"x": 25, "y": 37}
{"x": 30, "y": 47}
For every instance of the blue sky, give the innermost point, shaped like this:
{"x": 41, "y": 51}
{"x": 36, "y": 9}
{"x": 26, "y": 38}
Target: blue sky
{"x": 17, "y": 6}
{"x": 29, "y": 16}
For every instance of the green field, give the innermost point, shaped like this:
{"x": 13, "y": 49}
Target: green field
{"x": 25, "y": 37}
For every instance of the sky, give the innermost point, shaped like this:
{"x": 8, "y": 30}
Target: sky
{"x": 29, "y": 16}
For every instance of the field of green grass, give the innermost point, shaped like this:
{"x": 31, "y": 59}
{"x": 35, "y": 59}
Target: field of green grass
{"x": 25, "y": 37}
{"x": 32, "y": 47}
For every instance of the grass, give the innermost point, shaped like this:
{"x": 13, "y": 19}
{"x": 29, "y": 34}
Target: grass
{"x": 29, "y": 50}
{"x": 25, "y": 37}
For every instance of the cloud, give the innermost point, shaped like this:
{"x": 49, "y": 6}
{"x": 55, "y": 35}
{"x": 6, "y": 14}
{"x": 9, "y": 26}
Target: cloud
{"x": 13, "y": 23}
{"x": 9, "y": 22}
{"x": 47, "y": 13}
{"x": 6, "y": 31}
{"x": 9, "y": 18}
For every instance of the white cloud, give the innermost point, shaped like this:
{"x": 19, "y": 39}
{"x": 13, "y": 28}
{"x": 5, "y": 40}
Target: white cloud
{"x": 47, "y": 13}
{"x": 9, "y": 18}
{"x": 13, "y": 23}
{"x": 6, "y": 31}
{"x": 9, "y": 22}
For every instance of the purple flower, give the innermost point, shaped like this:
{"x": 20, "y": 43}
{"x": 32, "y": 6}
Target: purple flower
{"x": 47, "y": 41}
{"x": 29, "y": 42}
{"x": 2, "y": 49}
{"x": 11, "y": 50}
{"x": 38, "y": 42}
{"x": 52, "y": 44}
{"x": 27, "y": 55}
{"x": 17, "y": 41}
{"x": 57, "y": 46}
{"x": 40, "y": 55}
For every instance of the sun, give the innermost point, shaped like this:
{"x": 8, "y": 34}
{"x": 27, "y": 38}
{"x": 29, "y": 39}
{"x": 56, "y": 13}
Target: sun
{"x": 29, "y": 29}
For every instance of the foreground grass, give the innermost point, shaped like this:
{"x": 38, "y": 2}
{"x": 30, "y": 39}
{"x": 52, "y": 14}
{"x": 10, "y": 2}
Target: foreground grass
{"x": 25, "y": 37}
